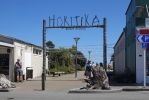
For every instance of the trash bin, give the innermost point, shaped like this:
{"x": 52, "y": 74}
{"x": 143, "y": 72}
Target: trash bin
{"x": 29, "y": 72}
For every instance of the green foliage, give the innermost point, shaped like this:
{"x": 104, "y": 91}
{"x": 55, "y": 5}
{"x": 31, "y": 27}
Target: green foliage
{"x": 81, "y": 60}
{"x": 65, "y": 69}
{"x": 63, "y": 60}
{"x": 50, "y": 44}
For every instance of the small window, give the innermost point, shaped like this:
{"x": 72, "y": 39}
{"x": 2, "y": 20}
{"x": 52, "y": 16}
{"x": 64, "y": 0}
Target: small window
{"x": 34, "y": 51}
{"x": 37, "y": 51}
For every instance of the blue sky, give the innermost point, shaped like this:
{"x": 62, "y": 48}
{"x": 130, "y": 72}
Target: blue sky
{"x": 22, "y": 19}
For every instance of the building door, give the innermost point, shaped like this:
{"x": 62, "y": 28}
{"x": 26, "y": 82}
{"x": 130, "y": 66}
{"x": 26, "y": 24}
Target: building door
{"x": 27, "y": 62}
{"x": 4, "y": 64}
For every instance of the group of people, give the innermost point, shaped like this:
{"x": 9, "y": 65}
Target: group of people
{"x": 89, "y": 68}
{"x": 96, "y": 76}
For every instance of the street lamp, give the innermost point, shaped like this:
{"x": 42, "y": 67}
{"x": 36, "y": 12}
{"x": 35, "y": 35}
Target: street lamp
{"x": 76, "y": 40}
{"x": 89, "y": 52}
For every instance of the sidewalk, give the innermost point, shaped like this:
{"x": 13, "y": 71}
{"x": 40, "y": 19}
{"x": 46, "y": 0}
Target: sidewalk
{"x": 61, "y": 83}
{"x": 68, "y": 83}
{"x": 68, "y": 77}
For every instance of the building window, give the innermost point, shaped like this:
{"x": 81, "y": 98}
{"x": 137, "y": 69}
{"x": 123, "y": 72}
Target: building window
{"x": 37, "y": 51}
{"x": 34, "y": 51}
{"x": 40, "y": 52}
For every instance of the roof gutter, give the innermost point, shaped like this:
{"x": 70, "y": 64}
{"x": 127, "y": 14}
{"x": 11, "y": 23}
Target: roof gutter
{"x": 6, "y": 44}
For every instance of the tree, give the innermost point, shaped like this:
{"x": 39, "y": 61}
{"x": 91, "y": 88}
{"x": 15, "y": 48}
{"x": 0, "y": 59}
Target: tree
{"x": 63, "y": 59}
{"x": 50, "y": 44}
{"x": 81, "y": 59}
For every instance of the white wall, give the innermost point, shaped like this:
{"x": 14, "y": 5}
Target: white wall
{"x": 119, "y": 56}
{"x": 140, "y": 64}
{"x": 29, "y": 59}
{"x": 3, "y": 50}
{"x": 37, "y": 65}
{"x": 23, "y": 52}
{"x": 11, "y": 64}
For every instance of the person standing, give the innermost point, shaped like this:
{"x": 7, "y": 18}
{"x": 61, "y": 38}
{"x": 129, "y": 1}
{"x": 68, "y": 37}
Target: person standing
{"x": 19, "y": 71}
{"x": 88, "y": 69}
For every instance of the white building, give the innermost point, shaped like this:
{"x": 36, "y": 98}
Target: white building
{"x": 30, "y": 55}
{"x": 119, "y": 55}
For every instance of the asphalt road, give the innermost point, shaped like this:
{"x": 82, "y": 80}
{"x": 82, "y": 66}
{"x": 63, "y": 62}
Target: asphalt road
{"x": 40, "y": 95}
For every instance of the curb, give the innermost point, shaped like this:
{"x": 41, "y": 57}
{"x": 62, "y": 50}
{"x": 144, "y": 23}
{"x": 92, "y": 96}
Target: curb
{"x": 77, "y": 90}
{"x": 136, "y": 89}
{"x": 5, "y": 90}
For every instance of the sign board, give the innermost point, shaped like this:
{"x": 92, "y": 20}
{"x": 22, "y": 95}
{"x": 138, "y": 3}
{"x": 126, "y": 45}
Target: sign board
{"x": 143, "y": 38}
{"x": 74, "y": 22}
{"x": 144, "y": 45}
{"x": 144, "y": 31}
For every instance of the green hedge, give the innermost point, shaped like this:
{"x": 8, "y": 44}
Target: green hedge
{"x": 67, "y": 70}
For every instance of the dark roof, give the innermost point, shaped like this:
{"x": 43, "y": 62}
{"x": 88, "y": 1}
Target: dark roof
{"x": 20, "y": 41}
{"x": 128, "y": 7}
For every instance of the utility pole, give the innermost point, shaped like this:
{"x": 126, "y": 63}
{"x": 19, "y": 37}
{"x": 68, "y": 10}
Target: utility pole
{"x": 89, "y": 52}
{"x": 76, "y": 40}
{"x": 104, "y": 44}
{"x": 44, "y": 55}
{"x": 144, "y": 83}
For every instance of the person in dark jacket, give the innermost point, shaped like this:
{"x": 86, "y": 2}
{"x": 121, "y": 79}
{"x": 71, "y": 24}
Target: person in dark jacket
{"x": 88, "y": 69}
{"x": 19, "y": 71}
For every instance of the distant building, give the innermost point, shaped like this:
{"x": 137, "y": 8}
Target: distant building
{"x": 119, "y": 55}
{"x": 30, "y": 55}
{"x": 136, "y": 16}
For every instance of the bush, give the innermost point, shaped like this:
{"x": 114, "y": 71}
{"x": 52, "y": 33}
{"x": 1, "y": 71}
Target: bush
{"x": 65, "y": 69}
{"x": 80, "y": 68}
